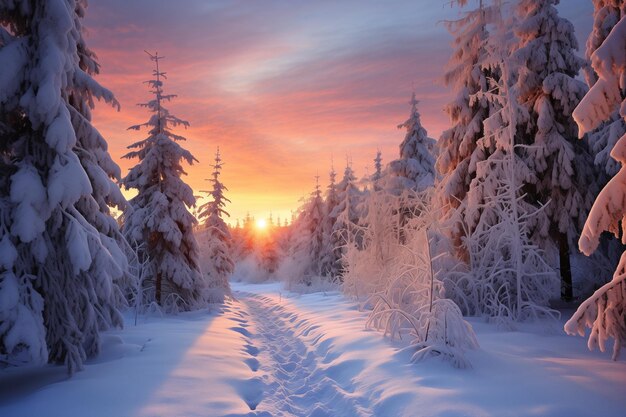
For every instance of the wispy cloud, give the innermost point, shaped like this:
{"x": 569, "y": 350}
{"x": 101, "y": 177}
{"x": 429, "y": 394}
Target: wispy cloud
{"x": 281, "y": 86}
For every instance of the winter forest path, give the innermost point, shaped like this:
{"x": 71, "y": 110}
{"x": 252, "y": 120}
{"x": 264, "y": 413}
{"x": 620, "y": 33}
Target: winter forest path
{"x": 268, "y": 352}
{"x": 298, "y": 373}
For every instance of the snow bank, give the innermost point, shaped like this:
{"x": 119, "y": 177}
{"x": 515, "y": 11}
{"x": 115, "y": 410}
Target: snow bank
{"x": 521, "y": 373}
{"x": 275, "y": 353}
{"x": 188, "y": 365}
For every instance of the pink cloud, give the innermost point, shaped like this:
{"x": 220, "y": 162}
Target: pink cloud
{"x": 280, "y": 88}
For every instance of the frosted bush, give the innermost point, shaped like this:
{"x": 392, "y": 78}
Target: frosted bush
{"x": 413, "y": 304}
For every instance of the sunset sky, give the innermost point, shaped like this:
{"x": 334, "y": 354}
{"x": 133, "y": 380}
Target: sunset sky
{"x": 281, "y": 86}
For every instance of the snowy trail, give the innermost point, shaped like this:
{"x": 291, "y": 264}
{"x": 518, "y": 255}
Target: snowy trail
{"x": 298, "y": 375}
{"x": 269, "y": 352}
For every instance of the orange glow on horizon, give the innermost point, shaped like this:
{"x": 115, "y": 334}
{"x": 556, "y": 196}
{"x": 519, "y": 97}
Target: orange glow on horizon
{"x": 261, "y": 225}
{"x": 282, "y": 92}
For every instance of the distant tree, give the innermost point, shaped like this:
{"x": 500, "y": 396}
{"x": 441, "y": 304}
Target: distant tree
{"x": 345, "y": 228}
{"x": 307, "y": 234}
{"x": 160, "y": 215}
{"x": 562, "y": 167}
{"x": 216, "y": 242}
{"x": 62, "y": 259}
{"x": 378, "y": 171}
{"x": 605, "y": 311}
{"x": 415, "y": 169}
{"x": 329, "y": 261}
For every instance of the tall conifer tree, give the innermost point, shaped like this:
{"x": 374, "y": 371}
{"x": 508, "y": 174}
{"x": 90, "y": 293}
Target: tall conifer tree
{"x": 548, "y": 92}
{"x": 415, "y": 169}
{"x": 605, "y": 311}
{"x": 61, "y": 252}
{"x": 217, "y": 242}
{"x": 470, "y": 76}
{"x": 160, "y": 214}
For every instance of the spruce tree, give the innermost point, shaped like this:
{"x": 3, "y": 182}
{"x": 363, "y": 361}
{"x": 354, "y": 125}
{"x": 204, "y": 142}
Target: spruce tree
{"x": 159, "y": 214}
{"x": 605, "y": 311}
{"x": 345, "y": 228}
{"x": 548, "y": 92}
{"x": 469, "y": 75}
{"x": 217, "y": 241}
{"x": 602, "y": 139}
{"x": 308, "y": 234}
{"x": 329, "y": 262}
{"x": 61, "y": 253}
{"x": 377, "y": 176}
{"x": 415, "y": 169}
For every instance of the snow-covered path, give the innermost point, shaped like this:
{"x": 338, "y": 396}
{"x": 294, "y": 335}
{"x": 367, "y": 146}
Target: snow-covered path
{"x": 298, "y": 378}
{"x": 269, "y": 353}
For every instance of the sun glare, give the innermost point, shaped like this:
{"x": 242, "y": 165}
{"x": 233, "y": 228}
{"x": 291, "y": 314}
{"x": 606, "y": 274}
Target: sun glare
{"x": 261, "y": 224}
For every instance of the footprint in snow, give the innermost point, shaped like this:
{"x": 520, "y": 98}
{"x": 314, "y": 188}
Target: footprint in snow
{"x": 241, "y": 330}
{"x": 253, "y": 363}
{"x": 250, "y": 390}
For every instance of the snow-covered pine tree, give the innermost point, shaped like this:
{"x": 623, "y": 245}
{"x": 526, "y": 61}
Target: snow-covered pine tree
{"x": 377, "y": 176}
{"x": 511, "y": 279}
{"x": 602, "y": 139}
{"x": 345, "y": 230}
{"x": 606, "y": 14}
{"x": 217, "y": 242}
{"x": 467, "y": 75}
{"x": 314, "y": 226}
{"x": 548, "y": 92}
{"x": 605, "y": 311}
{"x": 329, "y": 262}
{"x": 508, "y": 279}
{"x": 415, "y": 169}
{"x": 61, "y": 252}
{"x": 159, "y": 214}
{"x": 307, "y": 236}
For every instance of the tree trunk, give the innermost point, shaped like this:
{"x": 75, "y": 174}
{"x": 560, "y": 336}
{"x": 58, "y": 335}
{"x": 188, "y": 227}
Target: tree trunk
{"x": 566, "y": 270}
{"x": 157, "y": 285}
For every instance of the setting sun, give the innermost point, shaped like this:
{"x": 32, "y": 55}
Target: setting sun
{"x": 261, "y": 224}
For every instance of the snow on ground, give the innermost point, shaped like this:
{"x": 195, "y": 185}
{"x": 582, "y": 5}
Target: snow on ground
{"x": 274, "y": 353}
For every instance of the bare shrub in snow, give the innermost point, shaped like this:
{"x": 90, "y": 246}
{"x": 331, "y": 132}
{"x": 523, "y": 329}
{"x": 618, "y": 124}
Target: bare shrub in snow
{"x": 507, "y": 279}
{"x": 413, "y": 303}
{"x": 366, "y": 269}
{"x": 396, "y": 279}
